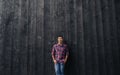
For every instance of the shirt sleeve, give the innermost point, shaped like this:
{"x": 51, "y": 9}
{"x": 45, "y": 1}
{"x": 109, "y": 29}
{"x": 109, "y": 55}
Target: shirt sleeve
{"x": 53, "y": 50}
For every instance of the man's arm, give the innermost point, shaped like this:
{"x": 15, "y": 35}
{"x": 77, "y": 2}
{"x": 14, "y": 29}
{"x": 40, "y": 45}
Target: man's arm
{"x": 67, "y": 54}
{"x": 53, "y": 59}
{"x": 66, "y": 57}
{"x": 53, "y": 54}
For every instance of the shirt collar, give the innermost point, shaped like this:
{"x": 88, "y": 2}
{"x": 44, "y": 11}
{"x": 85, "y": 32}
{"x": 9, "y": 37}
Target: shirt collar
{"x": 59, "y": 44}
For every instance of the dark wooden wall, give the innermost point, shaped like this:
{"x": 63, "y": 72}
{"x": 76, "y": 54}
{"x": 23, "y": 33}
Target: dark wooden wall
{"x": 28, "y": 29}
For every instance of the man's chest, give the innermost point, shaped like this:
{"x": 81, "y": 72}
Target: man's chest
{"x": 60, "y": 49}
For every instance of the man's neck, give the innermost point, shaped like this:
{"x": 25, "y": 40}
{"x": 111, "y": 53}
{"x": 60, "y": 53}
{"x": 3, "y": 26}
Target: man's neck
{"x": 60, "y": 43}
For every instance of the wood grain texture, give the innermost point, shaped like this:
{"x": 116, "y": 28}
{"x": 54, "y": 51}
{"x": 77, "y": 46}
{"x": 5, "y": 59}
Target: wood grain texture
{"x": 29, "y": 28}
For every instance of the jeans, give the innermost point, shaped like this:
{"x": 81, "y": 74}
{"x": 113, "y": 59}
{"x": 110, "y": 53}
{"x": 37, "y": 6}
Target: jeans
{"x": 59, "y": 68}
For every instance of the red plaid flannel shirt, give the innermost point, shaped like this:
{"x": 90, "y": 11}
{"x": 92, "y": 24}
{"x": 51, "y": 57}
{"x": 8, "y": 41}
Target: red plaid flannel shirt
{"x": 59, "y": 52}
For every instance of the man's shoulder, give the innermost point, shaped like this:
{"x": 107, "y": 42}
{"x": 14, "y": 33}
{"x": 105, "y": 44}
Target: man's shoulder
{"x": 65, "y": 45}
{"x": 54, "y": 45}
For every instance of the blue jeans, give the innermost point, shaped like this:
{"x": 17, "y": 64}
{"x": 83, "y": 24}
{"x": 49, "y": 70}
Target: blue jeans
{"x": 59, "y": 68}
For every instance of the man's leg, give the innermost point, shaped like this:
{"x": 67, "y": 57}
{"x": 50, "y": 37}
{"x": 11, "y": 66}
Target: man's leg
{"x": 62, "y": 68}
{"x": 57, "y": 68}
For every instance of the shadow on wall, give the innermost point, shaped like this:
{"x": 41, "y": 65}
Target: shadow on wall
{"x": 70, "y": 66}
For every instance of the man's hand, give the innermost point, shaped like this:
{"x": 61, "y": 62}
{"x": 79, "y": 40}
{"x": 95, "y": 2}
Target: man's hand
{"x": 54, "y": 61}
{"x": 65, "y": 61}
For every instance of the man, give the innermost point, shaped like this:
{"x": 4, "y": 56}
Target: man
{"x": 59, "y": 55}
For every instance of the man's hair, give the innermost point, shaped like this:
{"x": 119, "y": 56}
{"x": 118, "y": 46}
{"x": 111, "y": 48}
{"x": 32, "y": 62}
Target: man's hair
{"x": 60, "y": 36}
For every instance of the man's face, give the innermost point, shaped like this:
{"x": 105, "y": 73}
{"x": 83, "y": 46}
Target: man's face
{"x": 60, "y": 39}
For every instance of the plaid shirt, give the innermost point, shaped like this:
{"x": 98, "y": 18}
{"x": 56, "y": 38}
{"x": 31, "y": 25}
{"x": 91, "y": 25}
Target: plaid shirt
{"x": 59, "y": 52}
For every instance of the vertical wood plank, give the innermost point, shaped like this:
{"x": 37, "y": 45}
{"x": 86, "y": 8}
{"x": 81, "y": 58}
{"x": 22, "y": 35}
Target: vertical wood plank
{"x": 80, "y": 36}
{"x": 1, "y": 37}
{"x": 93, "y": 37}
{"x": 24, "y": 23}
{"x": 40, "y": 37}
{"x": 107, "y": 37}
{"x": 100, "y": 38}
{"x": 8, "y": 17}
{"x": 115, "y": 28}
{"x": 87, "y": 45}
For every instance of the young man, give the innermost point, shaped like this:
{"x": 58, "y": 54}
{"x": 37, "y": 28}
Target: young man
{"x": 60, "y": 54}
